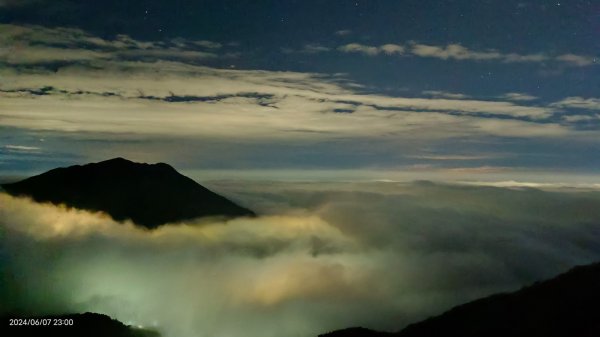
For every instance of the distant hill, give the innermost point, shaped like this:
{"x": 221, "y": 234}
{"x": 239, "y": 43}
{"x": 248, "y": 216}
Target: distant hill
{"x": 148, "y": 194}
{"x": 565, "y": 306}
{"x": 83, "y": 325}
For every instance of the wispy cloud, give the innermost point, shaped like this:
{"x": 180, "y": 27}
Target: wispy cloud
{"x": 581, "y": 118}
{"x": 206, "y": 44}
{"x": 311, "y": 48}
{"x": 453, "y": 51}
{"x": 479, "y": 169}
{"x": 444, "y": 94}
{"x": 36, "y": 44}
{"x": 578, "y": 103}
{"x": 282, "y": 101}
{"x": 359, "y": 48}
{"x": 517, "y": 96}
{"x": 315, "y": 48}
{"x": 343, "y": 32}
{"x": 41, "y": 54}
{"x": 387, "y": 49}
{"x": 518, "y": 58}
{"x": 21, "y": 148}
{"x": 174, "y": 97}
{"x": 458, "y": 52}
{"x": 450, "y": 157}
{"x": 578, "y": 60}
{"x": 391, "y": 49}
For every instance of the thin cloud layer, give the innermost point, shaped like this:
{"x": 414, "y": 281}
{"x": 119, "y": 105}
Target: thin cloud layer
{"x": 387, "y": 49}
{"x": 120, "y": 89}
{"x": 103, "y": 79}
{"x": 579, "y": 103}
{"x": 30, "y": 45}
{"x": 458, "y": 52}
{"x": 517, "y": 96}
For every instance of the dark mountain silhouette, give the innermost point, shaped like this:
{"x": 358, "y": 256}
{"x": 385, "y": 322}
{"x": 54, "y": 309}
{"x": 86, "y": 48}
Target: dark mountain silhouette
{"x": 88, "y": 325}
{"x": 565, "y": 306}
{"x": 148, "y": 194}
{"x": 357, "y": 332}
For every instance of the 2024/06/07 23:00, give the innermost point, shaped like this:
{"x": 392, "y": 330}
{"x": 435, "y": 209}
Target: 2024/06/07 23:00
{"x": 40, "y": 321}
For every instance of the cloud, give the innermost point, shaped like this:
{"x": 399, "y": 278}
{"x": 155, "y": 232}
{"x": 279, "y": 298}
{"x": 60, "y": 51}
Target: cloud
{"x": 516, "y": 96}
{"x": 169, "y": 97}
{"x": 207, "y": 44}
{"x": 580, "y": 110}
{"x": 40, "y": 54}
{"x": 21, "y": 148}
{"x": 359, "y": 48}
{"x": 444, "y": 94}
{"x": 165, "y": 54}
{"x": 453, "y": 51}
{"x": 456, "y": 51}
{"x": 536, "y": 185}
{"x": 582, "y": 118}
{"x": 311, "y": 48}
{"x": 479, "y": 170}
{"x": 238, "y": 103}
{"x": 391, "y": 49}
{"x": 30, "y": 45}
{"x": 315, "y": 48}
{"x": 387, "y": 49}
{"x": 517, "y": 58}
{"x": 577, "y": 60}
{"x": 453, "y": 157}
{"x": 459, "y": 52}
{"x": 320, "y": 254}
{"x": 578, "y": 103}
{"x": 343, "y": 32}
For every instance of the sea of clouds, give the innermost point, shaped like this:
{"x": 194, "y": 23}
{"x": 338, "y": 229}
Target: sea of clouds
{"x": 321, "y": 256}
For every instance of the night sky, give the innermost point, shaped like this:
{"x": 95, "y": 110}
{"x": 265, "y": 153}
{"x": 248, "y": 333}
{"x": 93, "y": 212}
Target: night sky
{"x": 394, "y": 86}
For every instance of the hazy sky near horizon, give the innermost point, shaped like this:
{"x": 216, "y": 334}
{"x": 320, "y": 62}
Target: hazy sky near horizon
{"x": 446, "y": 87}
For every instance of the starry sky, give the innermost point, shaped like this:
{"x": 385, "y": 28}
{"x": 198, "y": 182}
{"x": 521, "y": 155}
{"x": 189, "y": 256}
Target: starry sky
{"x": 506, "y": 90}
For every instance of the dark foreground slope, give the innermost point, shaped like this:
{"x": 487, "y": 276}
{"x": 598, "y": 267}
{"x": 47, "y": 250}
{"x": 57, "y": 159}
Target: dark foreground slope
{"x": 565, "y": 306}
{"x": 148, "y": 194}
{"x": 83, "y": 325}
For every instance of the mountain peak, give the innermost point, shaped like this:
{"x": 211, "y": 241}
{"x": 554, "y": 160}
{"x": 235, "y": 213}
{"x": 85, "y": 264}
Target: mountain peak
{"x": 122, "y": 163}
{"x": 149, "y": 194}
{"x": 117, "y": 161}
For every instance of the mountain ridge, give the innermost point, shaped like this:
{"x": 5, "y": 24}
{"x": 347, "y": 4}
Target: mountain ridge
{"x": 150, "y": 195}
{"x": 563, "y": 306}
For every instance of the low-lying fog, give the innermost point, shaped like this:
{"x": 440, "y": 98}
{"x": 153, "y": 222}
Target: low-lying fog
{"x": 320, "y": 256}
